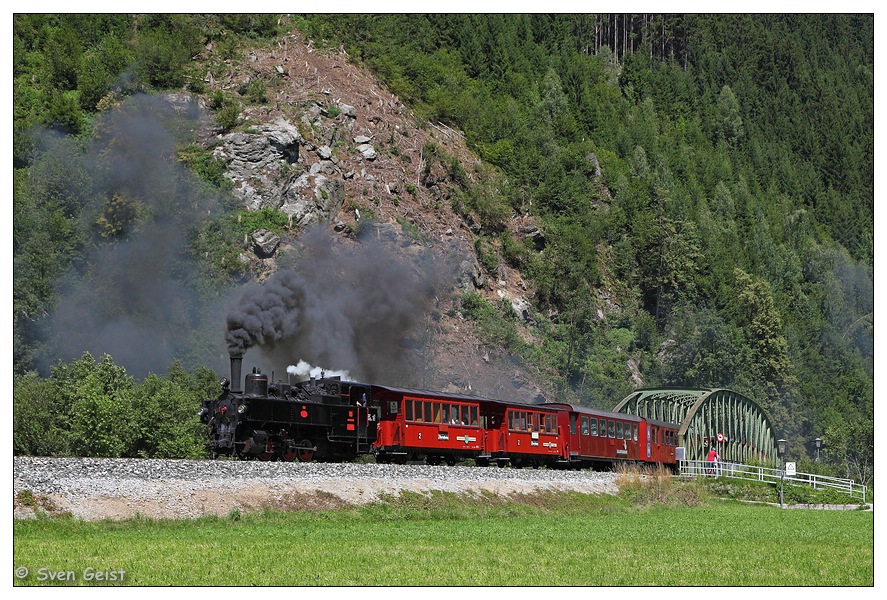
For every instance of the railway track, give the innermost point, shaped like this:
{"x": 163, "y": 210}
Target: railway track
{"x": 100, "y": 488}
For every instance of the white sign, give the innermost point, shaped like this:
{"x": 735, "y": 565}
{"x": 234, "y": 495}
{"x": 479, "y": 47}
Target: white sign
{"x": 790, "y": 468}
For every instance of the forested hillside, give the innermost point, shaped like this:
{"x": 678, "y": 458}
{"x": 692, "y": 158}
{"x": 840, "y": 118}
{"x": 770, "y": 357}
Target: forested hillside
{"x": 704, "y": 183}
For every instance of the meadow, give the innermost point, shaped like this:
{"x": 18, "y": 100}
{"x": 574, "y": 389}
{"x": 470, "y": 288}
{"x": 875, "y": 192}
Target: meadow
{"x": 553, "y": 539}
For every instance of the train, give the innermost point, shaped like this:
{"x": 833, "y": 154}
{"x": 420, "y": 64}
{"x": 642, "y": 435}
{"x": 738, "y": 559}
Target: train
{"x": 328, "y": 419}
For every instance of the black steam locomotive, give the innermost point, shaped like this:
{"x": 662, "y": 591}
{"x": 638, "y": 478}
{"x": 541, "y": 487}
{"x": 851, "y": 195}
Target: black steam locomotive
{"x": 323, "y": 419}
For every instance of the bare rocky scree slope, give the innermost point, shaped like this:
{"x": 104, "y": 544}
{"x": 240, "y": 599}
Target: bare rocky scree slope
{"x": 322, "y": 117}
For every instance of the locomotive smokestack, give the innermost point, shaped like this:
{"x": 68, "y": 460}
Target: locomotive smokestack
{"x": 236, "y": 365}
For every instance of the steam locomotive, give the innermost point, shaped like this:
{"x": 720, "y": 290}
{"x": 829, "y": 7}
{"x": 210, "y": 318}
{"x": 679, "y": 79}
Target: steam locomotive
{"x": 328, "y": 419}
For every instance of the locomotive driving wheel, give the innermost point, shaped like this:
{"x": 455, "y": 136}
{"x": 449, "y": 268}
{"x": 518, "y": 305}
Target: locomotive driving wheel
{"x": 267, "y": 454}
{"x": 289, "y": 453}
{"x": 305, "y": 451}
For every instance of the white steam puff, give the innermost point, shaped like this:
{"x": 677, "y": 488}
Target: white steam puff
{"x": 303, "y": 370}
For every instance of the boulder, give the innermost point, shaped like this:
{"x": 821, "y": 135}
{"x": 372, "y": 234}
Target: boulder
{"x": 535, "y": 235}
{"x": 265, "y": 243}
{"x": 314, "y": 200}
{"x": 367, "y": 151}
{"x": 386, "y": 232}
{"x": 595, "y": 164}
{"x": 283, "y": 137}
{"x": 471, "y": 276}
{"x": 520, "y": 305}
{"x": 348, "y": 110}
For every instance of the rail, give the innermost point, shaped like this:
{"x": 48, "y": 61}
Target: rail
{"x": 700, "y": 468}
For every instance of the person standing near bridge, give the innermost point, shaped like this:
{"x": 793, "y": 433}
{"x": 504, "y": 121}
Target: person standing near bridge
{"x": 711, "y": 462}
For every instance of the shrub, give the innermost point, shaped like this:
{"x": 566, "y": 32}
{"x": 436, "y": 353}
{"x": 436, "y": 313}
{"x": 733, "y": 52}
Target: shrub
{"x": 486, "y": 254}
{"x": 228, "y": 116}
{"x": 492, "y": 325}
{"x": 93, "y": 408}
{"x": 165, "y": 410}
{"x": 333, "y": 111}
{"x": 205, "y": 165}
{"x": 37, "y": 428}
{"x": 254, "y": 92}
{"x": 96, "y": 405}
{"x": 646, "y": 486}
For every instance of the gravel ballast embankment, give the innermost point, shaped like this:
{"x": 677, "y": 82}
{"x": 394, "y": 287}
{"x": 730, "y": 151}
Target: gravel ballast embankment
{"x": 94, "y": 488}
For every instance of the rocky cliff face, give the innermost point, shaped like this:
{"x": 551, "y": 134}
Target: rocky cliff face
{"x": 332, "y": 146}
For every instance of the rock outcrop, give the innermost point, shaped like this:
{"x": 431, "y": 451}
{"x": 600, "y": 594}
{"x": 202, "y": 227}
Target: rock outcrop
{"x": 268, "y": 169}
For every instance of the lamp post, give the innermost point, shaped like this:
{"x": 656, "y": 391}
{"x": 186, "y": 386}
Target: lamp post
{"x": 780, "y": 444}
{"x": 818, "y": 446}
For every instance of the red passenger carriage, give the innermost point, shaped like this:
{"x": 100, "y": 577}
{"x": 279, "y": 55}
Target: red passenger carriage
{"x": 661, "y": 439}
{"x": 599, "y": 438}
{"x": 436, "y": 427}
{"x": 522, "y": 435}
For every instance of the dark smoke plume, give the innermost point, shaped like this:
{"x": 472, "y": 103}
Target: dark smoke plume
{"x": 345, "y": 308}
{"x": 133, "y": 294}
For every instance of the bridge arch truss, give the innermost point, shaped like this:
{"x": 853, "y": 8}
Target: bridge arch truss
{"x": 733, "y": 424}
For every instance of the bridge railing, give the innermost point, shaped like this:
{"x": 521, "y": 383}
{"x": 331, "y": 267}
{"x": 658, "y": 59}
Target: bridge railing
{"x": 700, "y": 468}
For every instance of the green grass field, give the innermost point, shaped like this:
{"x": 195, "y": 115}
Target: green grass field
{"x": 445, "y": 540}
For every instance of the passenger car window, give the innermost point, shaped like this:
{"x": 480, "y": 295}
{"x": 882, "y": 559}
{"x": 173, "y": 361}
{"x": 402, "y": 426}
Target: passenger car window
{"x": 550, "y": 426}
{"x": 619, "y": 430}
{"x": 593, "y": 426}
{"x": 611, "y": 429}
{"x": 584, "y": 425}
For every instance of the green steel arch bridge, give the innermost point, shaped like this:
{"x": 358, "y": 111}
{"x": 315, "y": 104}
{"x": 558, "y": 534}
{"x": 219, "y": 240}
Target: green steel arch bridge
{"x": 733, "y": 424}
